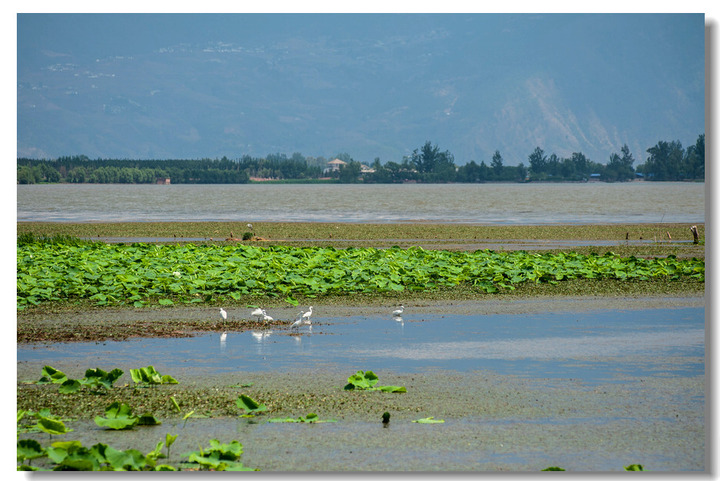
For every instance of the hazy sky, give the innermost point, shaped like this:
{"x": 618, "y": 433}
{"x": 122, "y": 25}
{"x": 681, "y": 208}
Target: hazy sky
{"x": 612, "y": 65}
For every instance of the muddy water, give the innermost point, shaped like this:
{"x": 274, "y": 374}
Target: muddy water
{"x": 590, "y": 203}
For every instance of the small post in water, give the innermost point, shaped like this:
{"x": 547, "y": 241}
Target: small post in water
{"x": 696, "y": 237}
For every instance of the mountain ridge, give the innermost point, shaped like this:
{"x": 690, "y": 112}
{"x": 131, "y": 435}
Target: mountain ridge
{"x": 377, "y": 88}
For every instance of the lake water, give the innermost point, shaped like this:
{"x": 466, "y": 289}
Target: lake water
{"x": 590, "y": 346}
{"x": 588, "y": 203}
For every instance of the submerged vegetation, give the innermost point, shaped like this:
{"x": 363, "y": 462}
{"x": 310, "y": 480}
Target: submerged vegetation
{"x": 38, "y": 446}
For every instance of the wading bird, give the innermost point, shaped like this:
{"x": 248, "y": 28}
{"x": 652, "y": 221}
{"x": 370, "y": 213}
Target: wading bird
{"x": 223, "y": 313}
{"x": 399, "y": 311}
{"x": 298, "y": 320}
{"x": 303, "y": 318}
{"x": 266, "y": 318}
{"x": 258, "y": 313}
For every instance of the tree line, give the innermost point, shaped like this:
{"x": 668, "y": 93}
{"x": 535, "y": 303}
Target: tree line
{"x": 427, "y": 164}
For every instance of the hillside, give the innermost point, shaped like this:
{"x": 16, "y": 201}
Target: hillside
{"x": 206, "y": 86}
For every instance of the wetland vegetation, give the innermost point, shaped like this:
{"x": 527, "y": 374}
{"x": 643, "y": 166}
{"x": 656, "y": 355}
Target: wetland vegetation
{"x": 381, "y": 256}
{"x": 59, "y": 271}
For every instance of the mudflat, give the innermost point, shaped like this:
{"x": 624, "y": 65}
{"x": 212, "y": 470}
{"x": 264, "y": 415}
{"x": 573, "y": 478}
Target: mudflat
{"x": 491, "y": 422}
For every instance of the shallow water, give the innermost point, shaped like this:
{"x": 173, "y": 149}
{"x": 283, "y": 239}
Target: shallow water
{"x": 589, "y": 203}
{"x": 590, "y": 346}
{"x": 593, "y": 389}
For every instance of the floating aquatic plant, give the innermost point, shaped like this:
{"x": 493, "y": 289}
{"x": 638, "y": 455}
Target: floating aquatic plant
{"x": 50, "y": 424}
{"x": 219, "y": 457}
{"x": 52, "y": 375}
{"x": 148, "y": 375}
{"x": 117, "y": 416}
{"x": 139, "y": 274}
{"x": 73, "y": 456}
{"x": 95, "y": 379}
{"x": 29, "y": 449}
{"x": 366, "y": 381}
{"x": 249, "y": 405}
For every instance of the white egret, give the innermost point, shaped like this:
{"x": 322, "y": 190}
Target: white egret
{"x": 258, "y": 313}
{"x": 298, "y": 320}
{"x": 303, "y": 319}
{"x": 399, "y": 311}
{"x": 250, "y": 226}
{"x": 266, "y": 318}
{"x": 223, "y": 313}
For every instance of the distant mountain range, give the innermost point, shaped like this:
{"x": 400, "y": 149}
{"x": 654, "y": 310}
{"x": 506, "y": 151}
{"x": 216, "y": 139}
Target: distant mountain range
{"x": 370, "y": 86}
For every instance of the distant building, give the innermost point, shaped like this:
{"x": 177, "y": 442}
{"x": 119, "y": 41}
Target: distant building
{"x": 163, "y": 181}
{"x": 364, "y": 169}
{"x": 334, "y": 165}
{"x": 594, "y": 177}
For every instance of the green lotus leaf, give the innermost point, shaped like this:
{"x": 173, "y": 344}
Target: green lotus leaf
{"x": 52, "y": 426}
{"x": 118, "y": 416}
{"x": 249, "y": 405}
{"x": 29, "y": 449}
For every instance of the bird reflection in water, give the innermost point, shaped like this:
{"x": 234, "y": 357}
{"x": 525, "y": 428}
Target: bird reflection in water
{"x": 261, "y": 338}
{"x": 401, "y": 322}
{"x": 397, "y": 315}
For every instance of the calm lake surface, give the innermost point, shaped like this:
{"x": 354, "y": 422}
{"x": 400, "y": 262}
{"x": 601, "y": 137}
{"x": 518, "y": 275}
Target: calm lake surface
{"x": 589, "y": 203}
{"x": 590, "y": 346}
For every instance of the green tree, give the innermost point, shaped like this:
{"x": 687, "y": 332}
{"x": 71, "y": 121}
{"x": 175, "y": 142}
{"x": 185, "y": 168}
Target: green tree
{"x": 27, "y": 174}
{"x": 567, "y": 169}
{"x": 582, "y": 164}
{"x": 552, "y": 167}
{"x": 695, "y": 159}
{"x": 620, "y": 168}
{"x": 665, "y": 161}
{"x": 471, "y": 172}
{"x": 376, "y": 165}
{"x": 432, "y": 164}
{"x": 425, "y": 158}
{"x": 522, "y": 172}
{"x": 350, "y": 172}
{"x": 538, "y": 163}
{"x": 497, "y": 164}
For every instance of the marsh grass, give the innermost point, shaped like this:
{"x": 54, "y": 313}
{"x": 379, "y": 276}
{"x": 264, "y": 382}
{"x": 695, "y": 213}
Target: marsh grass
{"x": 639, "y": 240}
{"x": 302, "y": 231}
